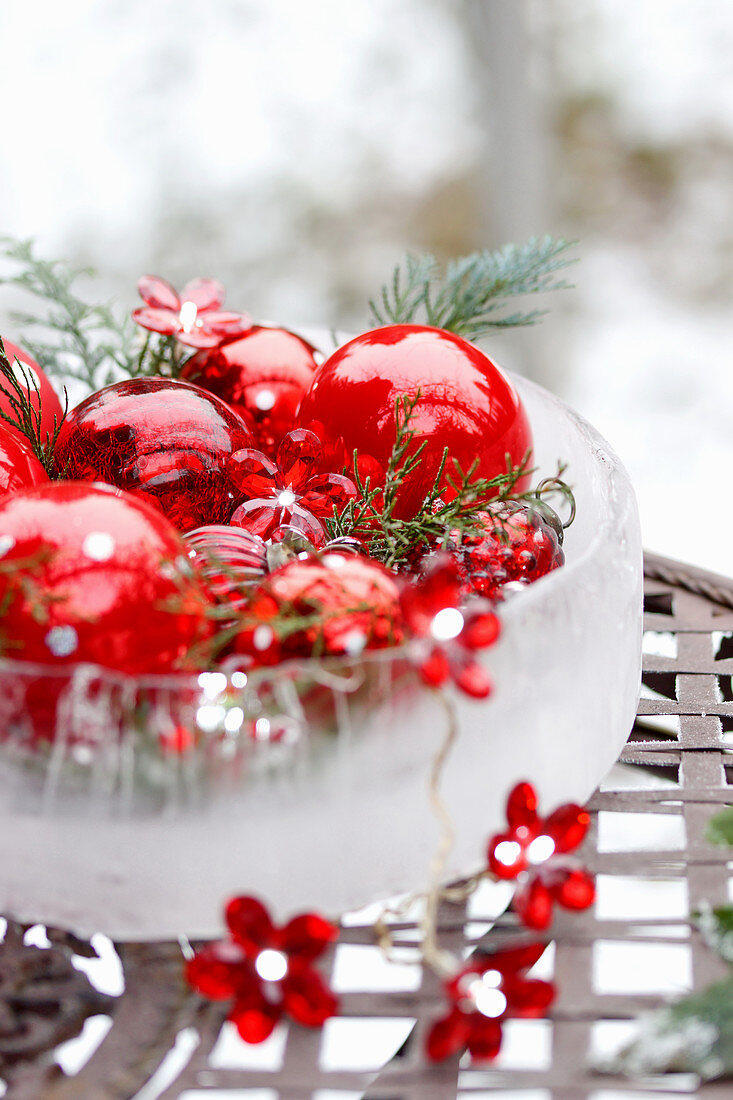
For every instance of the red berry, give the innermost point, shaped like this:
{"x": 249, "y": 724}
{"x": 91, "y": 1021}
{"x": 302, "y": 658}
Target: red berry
{"x": 465, "y": 405}
{"x": 165, "y": 440}
{"x": 263, "y": 376}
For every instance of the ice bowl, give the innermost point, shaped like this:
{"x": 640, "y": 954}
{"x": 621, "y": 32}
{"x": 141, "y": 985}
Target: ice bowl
{"x": 308, "y": 785}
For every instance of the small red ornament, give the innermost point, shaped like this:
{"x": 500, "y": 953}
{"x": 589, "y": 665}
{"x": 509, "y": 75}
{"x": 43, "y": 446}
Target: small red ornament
{"x": 194, "y": 317}
{"x": 534, "y": 851}
{"x": 446, "y": 635}
{"x": 262, "y": 375}
{"x": 167, "y": 441}
{"x": 19, "y": 467}
{"x": 266, "y": 971}
{"x": 102, "y": 577}
{"x": 352, "y": 602}
{"x": 44, "y": 397}
{"x": 487, "y": 991}
{"x": 465, "y": 405}
{"x": 289, "y": 490}
{"x": 518, "y": 544}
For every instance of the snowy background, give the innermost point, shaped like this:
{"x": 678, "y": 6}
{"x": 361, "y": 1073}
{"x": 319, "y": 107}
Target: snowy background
{"x": 297, "y": 150}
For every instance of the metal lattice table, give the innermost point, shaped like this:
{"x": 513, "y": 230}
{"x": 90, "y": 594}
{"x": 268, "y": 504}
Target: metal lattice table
{"x": 675, "y": 770}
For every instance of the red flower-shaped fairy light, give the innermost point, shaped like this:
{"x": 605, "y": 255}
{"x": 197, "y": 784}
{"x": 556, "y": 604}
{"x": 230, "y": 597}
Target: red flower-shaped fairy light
{"x": 487, "y": 991}
{"x": 194, "y": 316}
{"x": 446, "y": 635}
{"x": 266, "y": 971}
{"x": 290, "y": 490}
{"x": 534, "y": 851}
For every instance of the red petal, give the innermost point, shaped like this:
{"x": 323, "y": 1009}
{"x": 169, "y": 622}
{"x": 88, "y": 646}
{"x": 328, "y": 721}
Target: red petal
{"x": 216, "y": 970}
{"x": 200, "y": 338}
{"x": 255, "y": 1020}
{"x": 447, "y": 1036}
{"x": 567, "y": 826}
{"x": 253, "y": 473}
{"x": 225, "y": 324}
{"x": 480, "y": 630}
{"x": 521, "y": 807}
{"x": 435, "y": 669}
{"x": 306, "y": 997}
{"x": 511, "y": 858}
{"x": 307, "y": 936}
{"x": 302, "y": 520}
{"x": 158, "y": 294}
{"x": 205, "y": 294}
{"x": 260, "y": 516}
{"x": 298, "y": 457}
{"x": 327, "y": 492}
{"x": 157, "y": 320}
{"x": 576, "y": 890}
{"x": 484, "y": 1039}
{"x": 528, "y": 997}
{"x": 533, "y": 904}
{"x": 250, "y": 924}
{"x": 513, "y": 959}
{"x": 473, "y": 680}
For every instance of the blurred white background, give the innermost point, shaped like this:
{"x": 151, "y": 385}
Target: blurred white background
{"x": 297, "y": 150}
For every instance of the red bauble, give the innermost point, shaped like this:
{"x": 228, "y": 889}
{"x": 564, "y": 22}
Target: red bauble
{"x": 262, "y": 376}
{"x": 165, "y": 440}
{"x": 355, "y": 601}
{"x": 19, "y": 467}
{"x": 518, "y": 545}
{"x": 102, "y": 577}
{"x": 49, "y": 402}
{"x": 466, "y": 404}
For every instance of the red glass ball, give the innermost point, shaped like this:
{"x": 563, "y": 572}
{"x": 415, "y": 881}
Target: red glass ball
{"x": 102, "y": 577}
{"x": 49, "y": 401}
{"x": 466, "y": 404}
{"x": 356, "y": 601}
{"x": 262, "y": 376}
{"x": 19, "y": 467}
{"x": 162, "y": 439}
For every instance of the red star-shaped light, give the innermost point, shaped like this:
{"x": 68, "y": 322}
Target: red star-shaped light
{"x": 534, "y": 850}
{"x": 487, "y": 991}
{"x": 290, "y": 490}
{"x": 266, "y": 971}
{"x": 194, "y": 317}
{"x": 446, "y": 635}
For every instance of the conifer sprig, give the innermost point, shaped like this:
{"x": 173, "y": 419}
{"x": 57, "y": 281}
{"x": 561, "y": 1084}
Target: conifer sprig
{"x": 26, "y": 416}
{"x": 470, "y": 298}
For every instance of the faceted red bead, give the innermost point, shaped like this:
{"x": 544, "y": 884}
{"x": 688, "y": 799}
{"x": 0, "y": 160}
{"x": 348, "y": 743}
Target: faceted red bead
{"x": 250, "y": 924}
{"x": 298, "y": 458}
{"x": 567, "y": 826}
{"x": 253, "y": 473}
{"x": 576, "y": 889}
{"x": 521, "y": 807}
{"x": 447, "y": 1036}
{"x": 533, "y": 904}
{"x": 307, "y": 936}
{"x": 306, "y": 997}
{"x": 326, "y": 492}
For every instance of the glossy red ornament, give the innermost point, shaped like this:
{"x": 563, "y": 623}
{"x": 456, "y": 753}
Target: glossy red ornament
{"x": 266, "y": 970}
{"x": 45, "y": 396}
{"x": 163, "y": 440}
{"x": 101, "y": 577}
{"x": 19, "y": 467}
{"x": 351, "y": 603}
{"x": 518, "y": 544}
{"x": 194, "y": 317}
{"x": 466, "y": 405}
{"x": 445, "y": 634}
{"x": 487, "y": 991}
{"x": 263, "y": 375}
{"x": 289, "y": 490}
